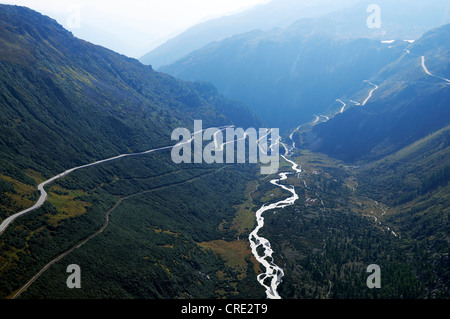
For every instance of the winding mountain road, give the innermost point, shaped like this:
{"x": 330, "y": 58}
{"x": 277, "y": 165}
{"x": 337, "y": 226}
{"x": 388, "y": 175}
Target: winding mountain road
{"x": 43, "y": 197}
{"x": 107, "y": 218}
{"x": 316, "y": 119}
{"x": 370, "y": 93}
{"x": 431, "y": 74}
{"x": 343, "y": 106}
{"x": 41, "y": 186}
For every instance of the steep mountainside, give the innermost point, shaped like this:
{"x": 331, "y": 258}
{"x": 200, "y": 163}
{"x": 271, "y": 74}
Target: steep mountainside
{"x": 285, "y": 72}
{"x": 65, "y": 101}
{"x": 408, "y": 105}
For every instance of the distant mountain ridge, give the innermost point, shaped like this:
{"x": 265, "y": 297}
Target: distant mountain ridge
{"x": 275, "y": 14}
{"x": 291, "y": 75}
{"x": 407, "y": 19}
{"x": 286, "y": 76}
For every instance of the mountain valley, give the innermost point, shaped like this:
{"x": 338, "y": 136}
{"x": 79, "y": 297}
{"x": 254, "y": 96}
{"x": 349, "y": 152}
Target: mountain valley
{"x": 363, "y": 177}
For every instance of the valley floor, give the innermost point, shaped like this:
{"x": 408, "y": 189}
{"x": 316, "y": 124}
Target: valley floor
{"x": 324, "y": 242}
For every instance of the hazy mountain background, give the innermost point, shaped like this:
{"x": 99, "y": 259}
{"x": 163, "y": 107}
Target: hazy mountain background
{"x": 276, "y": 13}
{"x": 305, "y": 67}
{"x": 286, "y": 72}
{"x": 400, "y": 19}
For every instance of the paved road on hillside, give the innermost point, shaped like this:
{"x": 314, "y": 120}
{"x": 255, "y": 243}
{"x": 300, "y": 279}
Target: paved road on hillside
{"x": 43, "y": 196}
{"x": 431, "y": 74}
